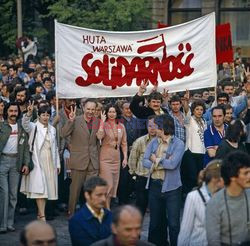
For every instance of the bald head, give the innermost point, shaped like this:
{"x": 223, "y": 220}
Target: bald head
{"x": 126, "y": 225}
{"x": 38, "y": 233}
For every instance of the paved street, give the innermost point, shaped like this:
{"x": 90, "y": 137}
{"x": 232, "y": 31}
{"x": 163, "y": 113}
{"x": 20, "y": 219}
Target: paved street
{"x": 60, "y": 224}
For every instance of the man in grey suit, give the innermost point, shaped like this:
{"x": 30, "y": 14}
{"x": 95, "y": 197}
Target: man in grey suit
{"x": 126, "y": 228}
{"x": 84, "y": 149}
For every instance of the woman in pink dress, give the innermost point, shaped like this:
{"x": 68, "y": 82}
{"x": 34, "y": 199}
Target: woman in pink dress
{"x": 113, "y": 136}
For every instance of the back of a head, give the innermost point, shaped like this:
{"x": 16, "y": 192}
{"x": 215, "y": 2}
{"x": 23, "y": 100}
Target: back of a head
{"x": 212, "y": 170}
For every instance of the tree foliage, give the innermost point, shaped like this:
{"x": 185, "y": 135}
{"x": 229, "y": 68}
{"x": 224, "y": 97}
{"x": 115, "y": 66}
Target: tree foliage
{"x": 38, "y": 15}
{"x": 116, "y": 15}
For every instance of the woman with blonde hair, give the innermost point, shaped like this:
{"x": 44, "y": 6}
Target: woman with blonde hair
{"x": 193, "y": 231}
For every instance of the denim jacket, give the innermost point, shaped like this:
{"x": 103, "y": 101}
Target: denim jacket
{"x": 171, "y": 162}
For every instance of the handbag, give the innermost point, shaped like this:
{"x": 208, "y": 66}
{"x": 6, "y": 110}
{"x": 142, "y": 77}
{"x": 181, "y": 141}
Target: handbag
{"x": 32, "y": 148}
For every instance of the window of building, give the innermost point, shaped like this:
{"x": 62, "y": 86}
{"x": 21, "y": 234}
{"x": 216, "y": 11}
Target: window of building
{"x": 181, "y": 11}
{"x": 237, "y": 13}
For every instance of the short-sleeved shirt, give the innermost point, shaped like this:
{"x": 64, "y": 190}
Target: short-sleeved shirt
{"x": 212, "y": 137}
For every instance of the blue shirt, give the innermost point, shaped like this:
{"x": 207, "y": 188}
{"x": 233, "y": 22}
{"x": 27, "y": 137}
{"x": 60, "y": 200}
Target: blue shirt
{"x": 212, "y": 137}
{"x": 171, "y": 162}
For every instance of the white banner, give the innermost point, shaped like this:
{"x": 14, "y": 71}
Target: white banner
{"x": 93, "y": 63}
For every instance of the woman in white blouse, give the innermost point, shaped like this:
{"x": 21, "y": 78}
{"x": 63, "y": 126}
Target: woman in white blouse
{"x": 193, "y": 159}
{"x": 193, "y": 231}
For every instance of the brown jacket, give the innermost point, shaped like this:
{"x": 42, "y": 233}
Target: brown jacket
{"x": 84, "y": 145}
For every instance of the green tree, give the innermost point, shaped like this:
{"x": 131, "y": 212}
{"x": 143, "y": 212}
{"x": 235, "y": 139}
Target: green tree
{"x": 38, "y": 18}
{"x": 115, "y": 15}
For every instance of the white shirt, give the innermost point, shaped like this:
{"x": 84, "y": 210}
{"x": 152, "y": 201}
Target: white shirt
{"x": 194, "y": 135}
{"x": 11, "y": 145}
{"x": 193, "y": 225}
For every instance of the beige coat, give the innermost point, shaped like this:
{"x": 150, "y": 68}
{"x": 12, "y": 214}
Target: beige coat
{"x": 84, "y": 145}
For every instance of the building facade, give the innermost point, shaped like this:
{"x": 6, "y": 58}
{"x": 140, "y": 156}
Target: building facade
{"x": 236, "y": 12}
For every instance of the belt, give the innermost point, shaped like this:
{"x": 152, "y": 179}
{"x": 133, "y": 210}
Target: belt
{"x": 10, "y": 154}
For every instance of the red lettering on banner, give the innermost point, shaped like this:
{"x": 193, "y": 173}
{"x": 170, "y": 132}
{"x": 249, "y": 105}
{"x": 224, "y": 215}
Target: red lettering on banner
{"x": 119, "y": 71}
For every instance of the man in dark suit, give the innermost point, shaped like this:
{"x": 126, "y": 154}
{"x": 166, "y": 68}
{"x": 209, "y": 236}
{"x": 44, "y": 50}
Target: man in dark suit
{"x": 126, "y": 228}
{"x": 93, "y": 221}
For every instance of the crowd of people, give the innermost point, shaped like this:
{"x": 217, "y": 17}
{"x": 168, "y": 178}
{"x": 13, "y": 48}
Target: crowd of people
{"x": 161, "y": 153}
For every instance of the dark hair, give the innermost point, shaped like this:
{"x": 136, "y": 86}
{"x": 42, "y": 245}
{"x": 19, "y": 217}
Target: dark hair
{"x": 197, "y": 103}
{"x": 91, "y": 101}
{"x": 5, "y": 111}
{"x": 43, "y": 102}
{"x": 166, "y": 123}
{"x": 232, "y": 164}
{"x": 44, "y": 109}
{"x": 47, "y": 79}
{"x": 50, "y": 95}
{"x": 16, "y": 81}
{"x": 227, "y": 106}
{"x": 37, "y": 84}
{"x": 151, "y": 117}
{"x": 234, "y": 131}
{"x": 223, "y": 94}
{"x": 219, "y": 107}
{"x": 117, "y": 109}
{"x": 14, "y": 67}
{"x": 227, "y": 83}
{"x": 19, "y": 89}
{"x": 93, "y": 182}
{"x": 175, "y": 98}
{"x": 116, "y": 213}
{"x": 155, "y": 96}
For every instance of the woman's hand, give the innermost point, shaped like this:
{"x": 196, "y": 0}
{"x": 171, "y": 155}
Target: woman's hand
{"x": 124, "y": 163}
{"x": 25, "y": 170}
{"x": 103, "y": 117}
{"x": 58, "y": 170}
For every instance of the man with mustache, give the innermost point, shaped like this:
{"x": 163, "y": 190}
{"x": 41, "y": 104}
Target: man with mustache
{"x": 14, "y": 159}
{"x": 20, "y": 95}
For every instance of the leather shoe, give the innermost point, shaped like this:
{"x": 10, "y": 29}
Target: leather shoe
{"x": 11, "y": 228}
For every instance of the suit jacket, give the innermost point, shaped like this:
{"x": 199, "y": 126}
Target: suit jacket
{"x": 110, "y": 242}
{"x": 84, "y": 145}
{"x": 23, "y": 155}
{"x": 85, "y": 229}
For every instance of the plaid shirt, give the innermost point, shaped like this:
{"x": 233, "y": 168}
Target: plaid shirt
{"x": 136, "y": 156}
{"x": 180, "y": 130}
